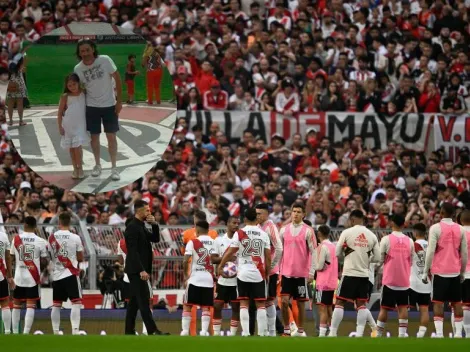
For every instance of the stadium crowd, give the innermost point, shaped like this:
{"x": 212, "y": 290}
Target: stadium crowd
{"x": 312, "y": 55}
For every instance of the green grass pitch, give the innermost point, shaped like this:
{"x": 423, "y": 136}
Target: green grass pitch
{"x": 115, "y": 343}
{"x": 48, "y": 65}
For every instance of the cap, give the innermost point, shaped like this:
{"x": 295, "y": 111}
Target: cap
{"x": 25, "y": 184}
{"x": 209, "y": 146}
{"x": 312, "y": 130}
{"x": 181, "y": 70}
{"x": 277, "y": 169}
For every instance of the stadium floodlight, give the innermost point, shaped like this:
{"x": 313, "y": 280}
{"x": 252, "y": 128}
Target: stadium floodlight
{"x": 38, "y": 332}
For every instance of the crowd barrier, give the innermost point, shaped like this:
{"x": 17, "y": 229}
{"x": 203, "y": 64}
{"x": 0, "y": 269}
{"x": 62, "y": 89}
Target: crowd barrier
{"x": 419, "y": 132}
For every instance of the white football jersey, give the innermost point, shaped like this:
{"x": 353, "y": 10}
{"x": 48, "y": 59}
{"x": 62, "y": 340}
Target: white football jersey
{"x": 417, "y": 268}
{"x": 251, "y": 242}
{"x": 64, "y": 246}
{"x": 202, "y": 270}
{"x": 4, "y": 246}
{"x": 122, "y": 250}
{"x": 28, "y": 249}
{"x": 222, "y": 244}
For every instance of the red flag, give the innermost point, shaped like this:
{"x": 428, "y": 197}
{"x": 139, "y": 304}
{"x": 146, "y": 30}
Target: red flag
{"x": 256, "y": 259}
{"x": 66, "y": 262}
{"x": 33, "y": 270}
{"x": 203, "y": 255}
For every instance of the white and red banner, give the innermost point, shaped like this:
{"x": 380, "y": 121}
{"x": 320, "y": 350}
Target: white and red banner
{"x": 452, "y": 133}
{"x": 413, "y": 130}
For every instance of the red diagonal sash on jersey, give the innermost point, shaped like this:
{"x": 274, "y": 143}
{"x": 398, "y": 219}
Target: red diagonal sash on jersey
{"x": 3, "y": 268}
{"x": 207, "y": 262}
{"x": 66, "y": 262}
{"x": 123, "y": 246}
{"x": 289, "y": 103}
{"x": 33, "y": 270}
{"x": 257, "y": 260}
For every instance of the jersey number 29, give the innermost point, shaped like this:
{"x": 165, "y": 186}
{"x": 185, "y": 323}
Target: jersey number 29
{"x": 253, "y": 247}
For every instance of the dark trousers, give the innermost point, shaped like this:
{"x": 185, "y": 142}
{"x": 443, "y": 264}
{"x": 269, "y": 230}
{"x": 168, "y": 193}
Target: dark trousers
{"x": 139, "y": 300}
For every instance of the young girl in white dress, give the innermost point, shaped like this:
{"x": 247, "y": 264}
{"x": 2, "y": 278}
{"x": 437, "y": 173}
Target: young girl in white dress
{"x": 72, "y": 123}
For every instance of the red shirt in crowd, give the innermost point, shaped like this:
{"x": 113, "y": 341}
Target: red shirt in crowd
{"x": 217, "y": 101}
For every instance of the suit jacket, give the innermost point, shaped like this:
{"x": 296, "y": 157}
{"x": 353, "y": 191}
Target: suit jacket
{"x": 139, "y": 246}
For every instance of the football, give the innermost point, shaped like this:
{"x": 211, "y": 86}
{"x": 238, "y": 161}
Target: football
{"x": 230, "y": 269}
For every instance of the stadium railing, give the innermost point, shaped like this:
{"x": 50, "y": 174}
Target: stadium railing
{"x": 101, "y": 247}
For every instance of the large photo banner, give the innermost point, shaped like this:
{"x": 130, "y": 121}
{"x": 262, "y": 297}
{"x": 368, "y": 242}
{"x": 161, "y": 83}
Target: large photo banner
{"x": 410, "y": 129}
{"x": 452, "y": 133}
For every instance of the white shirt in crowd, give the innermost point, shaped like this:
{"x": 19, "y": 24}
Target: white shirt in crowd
{"x": 98, "y": 81}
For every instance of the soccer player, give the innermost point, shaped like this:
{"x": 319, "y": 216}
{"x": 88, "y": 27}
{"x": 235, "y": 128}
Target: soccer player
{"x": 6, "y": 281}
{"x": 446, "y": 258}
{"x": 326, "y": 266}
{"x": 30, "y": 254}
{"x": 270, "y": 228}
{"x": 254, "y": 264}
{"x": 226, "y": 289}
{"x": 200, "y": 284}
{"x": 67, "y": 252}
{"x": 299, "y": 244}
{"x": 420, "y": 293}
{"x": 360, "y": 247}
{"x": 396, "y": 252}
{"x": 465, "y": 220}
{"x": 189, "y": 235}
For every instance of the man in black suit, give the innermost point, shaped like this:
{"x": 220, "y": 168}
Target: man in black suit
{"x": 139, "y": 267}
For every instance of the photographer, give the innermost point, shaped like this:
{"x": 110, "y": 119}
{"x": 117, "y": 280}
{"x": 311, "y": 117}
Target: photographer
{"x": 110, "y": 281}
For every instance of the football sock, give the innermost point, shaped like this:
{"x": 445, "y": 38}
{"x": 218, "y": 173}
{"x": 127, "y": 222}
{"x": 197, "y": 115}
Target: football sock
{"x": 15, "y": 319}
{"x": 55, "y": 319}
{"x": 216, "y": 325}
{"x": 422, "y": 331}
{"x": 439, "y": 325}
{"x": 466, "y": 321}
{"x": 271, "y": 315}
{"x": 361, "y": 321}
{"x": 233, "y": 327}
{"x": 262, "y": 321}
{"x": 186, "y": 321}
{"x": 402, "y": 327}
{"x": 380, "y": 328}
{"x": 371, "y": 320}
{"x": 75, "y": 318}
{"x": 323, "y": 329}
{"x": 245, "y": 320}
{"x": 6, "y": 318}
{"x": 458, "y": 326}
{"x": 28, "y": 319}
{"x": 205, "y": 321}
{"x": 336, "y": 319}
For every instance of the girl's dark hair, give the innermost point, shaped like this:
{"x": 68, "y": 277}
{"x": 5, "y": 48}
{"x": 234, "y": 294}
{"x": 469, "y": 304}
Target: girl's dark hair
{"x": 71, "y": 77}
{"x": 86, "y": 42}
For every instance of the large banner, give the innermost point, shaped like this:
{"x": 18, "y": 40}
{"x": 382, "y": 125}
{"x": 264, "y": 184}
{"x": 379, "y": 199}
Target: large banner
{"x": 452, "y": 133}
{"x": 410, "y": 129}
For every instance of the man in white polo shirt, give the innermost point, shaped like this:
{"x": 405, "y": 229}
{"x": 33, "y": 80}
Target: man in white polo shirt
{"x": 103, "y": 100}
